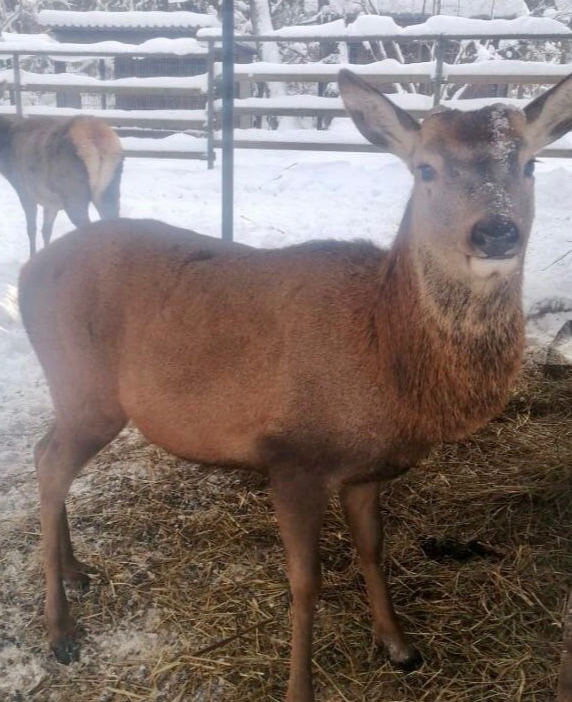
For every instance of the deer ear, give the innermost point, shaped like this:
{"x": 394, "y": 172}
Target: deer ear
{"x": 549, "y": 116}
{"x": 378, "y": 119}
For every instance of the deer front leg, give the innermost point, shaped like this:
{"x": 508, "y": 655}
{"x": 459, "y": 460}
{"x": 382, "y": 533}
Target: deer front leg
{"x": 300, "y": 506}
{"x": 361, "y": 507}
{"x": 31, "y": 212}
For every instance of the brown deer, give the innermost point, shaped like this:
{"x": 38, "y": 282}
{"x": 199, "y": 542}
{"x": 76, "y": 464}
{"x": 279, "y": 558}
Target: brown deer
{"x": 330, "y": 366}
{"x": 61, "y": 164}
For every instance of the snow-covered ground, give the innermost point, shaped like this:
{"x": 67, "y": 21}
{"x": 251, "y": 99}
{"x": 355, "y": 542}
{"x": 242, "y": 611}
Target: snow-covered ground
{"x": 281, "y": 198}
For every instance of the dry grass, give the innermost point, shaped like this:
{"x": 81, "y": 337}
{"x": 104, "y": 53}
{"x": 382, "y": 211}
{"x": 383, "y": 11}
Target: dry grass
{"x": 192, "y": 604}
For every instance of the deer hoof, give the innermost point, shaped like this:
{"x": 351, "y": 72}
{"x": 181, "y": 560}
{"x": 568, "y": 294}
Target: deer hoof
{"x": 78, "y": 581}
{"x": 76, "y": 575}
{"x": 403, "y": 657}
{"x": 413, "y": 661}
{"x": 66, "y": 650}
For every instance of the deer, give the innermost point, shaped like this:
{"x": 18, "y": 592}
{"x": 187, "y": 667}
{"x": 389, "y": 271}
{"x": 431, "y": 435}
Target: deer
{"x": 61, "y": 164}
{"x": 328, "y": 366}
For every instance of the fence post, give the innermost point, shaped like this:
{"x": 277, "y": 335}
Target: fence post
{"x": 227, "y": 120}
{"x": 102, "y": 75}
{"x": 438, "y": 80}
{"x": 17, "y": 84}
{"x": 210, "y": 104}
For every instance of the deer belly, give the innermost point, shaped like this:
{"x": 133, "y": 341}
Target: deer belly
{"x": 207, "y": 430}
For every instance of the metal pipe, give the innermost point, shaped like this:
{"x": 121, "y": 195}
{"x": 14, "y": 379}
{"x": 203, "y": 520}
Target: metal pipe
{"x": 227, "y": 119}
{"x": 210, "y": 107}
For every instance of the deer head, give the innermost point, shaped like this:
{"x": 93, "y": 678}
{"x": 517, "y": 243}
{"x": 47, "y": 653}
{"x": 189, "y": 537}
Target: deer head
{"x": 472, "y": 204}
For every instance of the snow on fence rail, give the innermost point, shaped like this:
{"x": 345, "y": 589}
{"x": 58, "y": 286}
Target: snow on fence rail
{"x": 342, "y": 136}
{"x": 438, "y": 74}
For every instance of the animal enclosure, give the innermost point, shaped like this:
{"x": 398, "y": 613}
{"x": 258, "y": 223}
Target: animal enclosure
{"x": 134, "y": 89}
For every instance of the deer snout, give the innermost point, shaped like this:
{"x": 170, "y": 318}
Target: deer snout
{"x": 496, "y": 237}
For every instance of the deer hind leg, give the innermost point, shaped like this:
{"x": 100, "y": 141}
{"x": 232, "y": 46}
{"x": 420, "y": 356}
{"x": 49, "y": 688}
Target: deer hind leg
{"x": 48, "y": 223}
{"x": 300, "y": 507}
{"x": 60, "y": 456}
{"x": 74, "y": 572}
{"x": 361, "y": 507}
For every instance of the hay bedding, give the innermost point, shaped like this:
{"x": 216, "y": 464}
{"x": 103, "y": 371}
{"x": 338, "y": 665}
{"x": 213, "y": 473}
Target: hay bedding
{"x": 191, "y": 602}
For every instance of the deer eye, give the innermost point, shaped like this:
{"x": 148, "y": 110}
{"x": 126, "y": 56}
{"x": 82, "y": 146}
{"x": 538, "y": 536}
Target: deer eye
{"x": 427, "y": 172}
{"x": 529, "y": 168}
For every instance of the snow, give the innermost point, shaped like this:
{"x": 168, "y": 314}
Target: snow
{"x": 134, "y": 115}
{"x": 174, "y": 142}
{"x": 387, "y": 67}
{"x": 391, "y": 67}
{"x": 74, "y": 79}
{"x": 43, "y": 42}
{"x": 377, "y": 26}
{"x": 281, "y": 198}
{"x": 463, "y": 8}
{"x": 462, "y": 26}
{"x": 126, "y": 20}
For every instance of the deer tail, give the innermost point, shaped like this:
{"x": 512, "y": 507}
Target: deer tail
{"x": 98, "y": 146}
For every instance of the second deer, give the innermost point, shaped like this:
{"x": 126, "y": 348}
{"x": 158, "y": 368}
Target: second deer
{"x": 331, "y": 366}
{"x": 61, "y": 164}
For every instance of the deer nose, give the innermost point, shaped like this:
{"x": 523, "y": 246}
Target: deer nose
{"x": 496, "y": 237}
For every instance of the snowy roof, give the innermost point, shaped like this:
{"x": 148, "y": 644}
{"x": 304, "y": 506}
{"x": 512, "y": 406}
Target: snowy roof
{"x": 44, "y": 42}
{"x": 125, "y": 20}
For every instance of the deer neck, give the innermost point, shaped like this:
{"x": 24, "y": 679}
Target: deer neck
{"x": 452, "y": 353}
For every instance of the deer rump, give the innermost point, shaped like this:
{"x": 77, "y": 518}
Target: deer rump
{"x": 64, "y": 164}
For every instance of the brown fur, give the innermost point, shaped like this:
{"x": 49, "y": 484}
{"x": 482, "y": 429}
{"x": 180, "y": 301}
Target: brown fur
{"x": 61, "y": 164}
{"x": 331, "y": 366}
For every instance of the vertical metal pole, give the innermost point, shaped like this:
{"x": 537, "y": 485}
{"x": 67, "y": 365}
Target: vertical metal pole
{"x": 438, "y": 80}
{"x": 227, "y": 119}
{"x": 17, "y": 85}
{"x": 102, "y": 76}
{"x": 210, "y": 105}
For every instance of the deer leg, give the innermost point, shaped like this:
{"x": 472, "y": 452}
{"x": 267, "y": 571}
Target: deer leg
{"x": 48, "y": 223}
{"x": 60, "y": 456}
{"x": 300, "y": 507}
{"x": 31, "y": 212}
{"x": 361, "y": 507}
{"x": 74, "y": 572}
